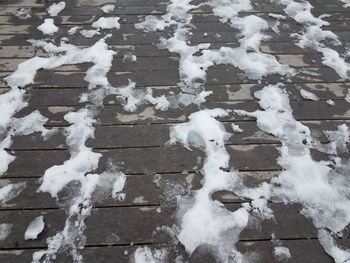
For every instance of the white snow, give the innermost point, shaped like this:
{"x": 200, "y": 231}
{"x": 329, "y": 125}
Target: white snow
{"x": 106, "y": 23}
{"x": 5, "y": 230}
{"x": 108, "y": 8}
{"x": 313, "y": 36}
{"x": 192, "y": 68}
{"x": 308, "y": 95}
{"x": 303, "y": 179}
{"x": 203, "y": 220}
{"x": 54, "y": 9}
{"x": 48, "y": 27}
{"x": 34, "y": 228}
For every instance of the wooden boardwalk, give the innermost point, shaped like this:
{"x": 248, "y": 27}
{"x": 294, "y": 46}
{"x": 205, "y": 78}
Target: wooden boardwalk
{"x": 137, "y": 141}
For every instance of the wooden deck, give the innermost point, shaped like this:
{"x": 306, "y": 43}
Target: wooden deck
{"x": 137, "y": 140}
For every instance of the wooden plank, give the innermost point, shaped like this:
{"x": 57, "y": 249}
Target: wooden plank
{"x": 234, "y": 92}
{"x": 145, "y": 135}
{"x": 301, "y": 250}
{"x": 165, "y": 63}
{"x": 166, "y": 159}
{"x": 140, "y": 191}
{"x": 126, "y": 224}
{"x": 145, "y": 78}
{"x": 114, "y": 114}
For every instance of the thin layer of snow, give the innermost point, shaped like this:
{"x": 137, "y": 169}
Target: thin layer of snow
{"x": 201, "y": 219}
{"x": 308, "y": 95}
{"x": 106, "y": 23}
{"x": 48, "y": 27}
{"x": 11, "y": 191}
{"x": 108, "y": 8}
{"x": 5, "y": 230}
{"x": 54, "y": 9}
{"x": 34, "y": 228}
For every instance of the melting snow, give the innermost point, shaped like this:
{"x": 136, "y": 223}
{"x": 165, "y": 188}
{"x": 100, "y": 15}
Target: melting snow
{"x": 35, "y": 228}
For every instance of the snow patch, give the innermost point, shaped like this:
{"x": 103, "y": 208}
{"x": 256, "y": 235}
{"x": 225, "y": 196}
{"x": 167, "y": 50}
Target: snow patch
{"x": 201, "y": 219}
{"x": 106, "y": 23}
{"x": 48, "y": 27}
{"x": 108, "y": 8}
{"x": 147, "y": 255}
{"x": 24, "y": 13}
{"x": 35, "y": 228}
{"x": 54, "y": 9}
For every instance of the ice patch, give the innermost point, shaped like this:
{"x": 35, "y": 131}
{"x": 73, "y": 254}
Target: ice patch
{"x": 54, "y": 9}
{"x": 48, "y": 27}
{"x": 106, "y": 23}
{"x": 35, "y": 228}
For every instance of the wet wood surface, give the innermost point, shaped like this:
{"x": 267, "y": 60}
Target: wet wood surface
{"x": 138, "y": 140}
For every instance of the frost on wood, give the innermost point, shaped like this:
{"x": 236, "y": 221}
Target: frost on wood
{"x": 35, "y": 228}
